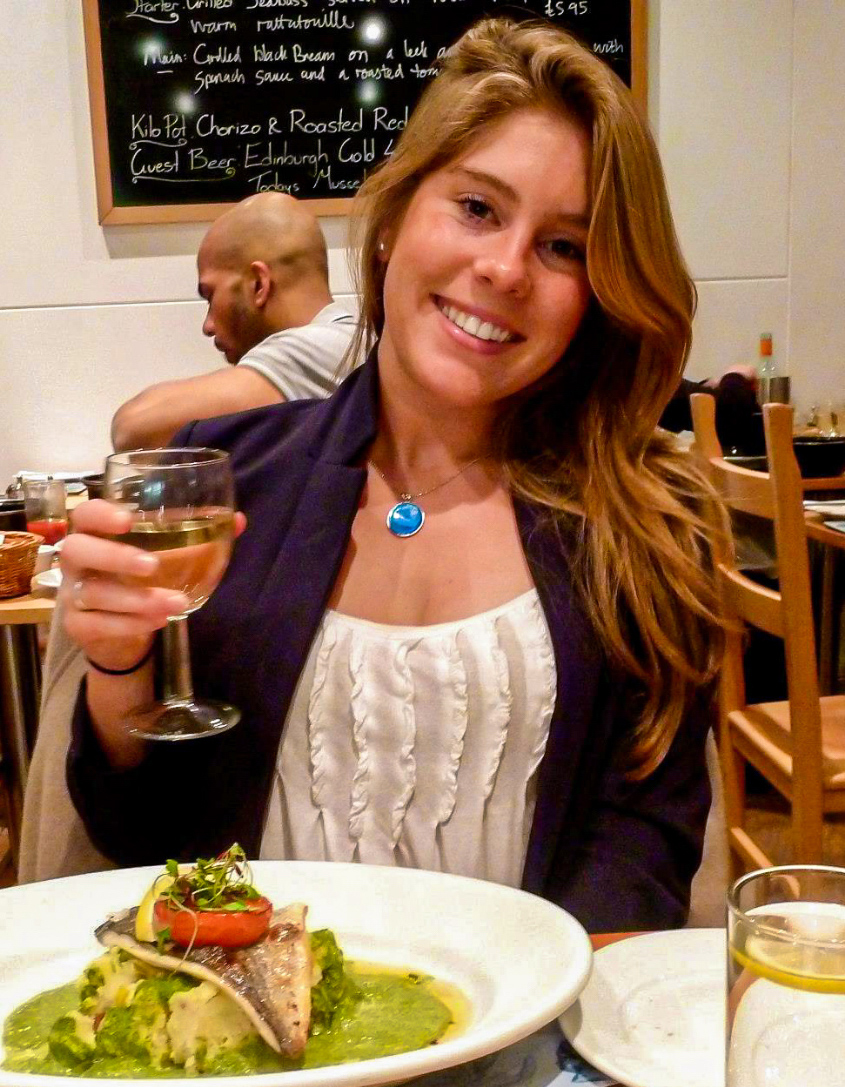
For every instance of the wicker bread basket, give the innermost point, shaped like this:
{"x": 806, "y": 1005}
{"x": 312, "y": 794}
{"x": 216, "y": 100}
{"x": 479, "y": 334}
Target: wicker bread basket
{"x": 18, "y": 552}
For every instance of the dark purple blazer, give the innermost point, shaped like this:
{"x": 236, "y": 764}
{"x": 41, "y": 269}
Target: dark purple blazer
{"x": 617, "y": 854}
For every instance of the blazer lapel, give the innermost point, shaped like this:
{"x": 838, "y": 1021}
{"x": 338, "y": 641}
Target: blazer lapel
{"x": 308, "y": 561}
{"x": 331, "y": 479}
{"x": 300, "y": 562}
{"x": 579, "y": 665}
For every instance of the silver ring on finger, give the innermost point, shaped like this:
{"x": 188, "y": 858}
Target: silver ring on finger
{"x": 76, "y": 595}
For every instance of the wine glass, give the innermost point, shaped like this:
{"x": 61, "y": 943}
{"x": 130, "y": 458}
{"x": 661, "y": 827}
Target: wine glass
{"x": 182, "y": 507}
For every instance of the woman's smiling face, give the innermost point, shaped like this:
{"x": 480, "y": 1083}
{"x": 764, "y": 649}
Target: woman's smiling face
{"x": 486, "y": 282}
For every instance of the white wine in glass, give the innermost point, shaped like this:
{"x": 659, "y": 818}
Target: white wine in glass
{"x": 182, "y": 507}
{"x": 192, "y": 547}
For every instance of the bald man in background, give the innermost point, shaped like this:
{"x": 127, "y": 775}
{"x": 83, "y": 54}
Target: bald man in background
{"x": 263, "y": 270}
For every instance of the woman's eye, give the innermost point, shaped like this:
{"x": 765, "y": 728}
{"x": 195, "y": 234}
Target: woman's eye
{"x": 566, "y": 250}
{"x": 476, "y": 207}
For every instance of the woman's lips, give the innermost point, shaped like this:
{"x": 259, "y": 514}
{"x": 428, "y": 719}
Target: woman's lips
{"x": 482, "y": 327}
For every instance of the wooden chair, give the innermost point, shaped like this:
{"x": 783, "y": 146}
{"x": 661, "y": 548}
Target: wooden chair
{"x": 797, "y": 745}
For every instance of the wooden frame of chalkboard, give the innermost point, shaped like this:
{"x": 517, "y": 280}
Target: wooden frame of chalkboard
{"x": 153, "y": 65}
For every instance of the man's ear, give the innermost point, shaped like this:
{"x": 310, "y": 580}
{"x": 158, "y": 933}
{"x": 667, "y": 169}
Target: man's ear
{"x": 261, "y": 283}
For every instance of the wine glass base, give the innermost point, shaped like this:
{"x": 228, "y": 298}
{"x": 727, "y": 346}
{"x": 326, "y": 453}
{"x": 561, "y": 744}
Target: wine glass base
{"x": 186, "y": 720}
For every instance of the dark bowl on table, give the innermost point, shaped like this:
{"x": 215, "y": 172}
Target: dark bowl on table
{"x": 94, "y": 485}
{"x": 12, "y": 515}
{"x": 819, "y": 457}
{"x": 755, "y": 463}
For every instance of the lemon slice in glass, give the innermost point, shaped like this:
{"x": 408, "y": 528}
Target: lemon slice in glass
{"x": 816, "y": 969}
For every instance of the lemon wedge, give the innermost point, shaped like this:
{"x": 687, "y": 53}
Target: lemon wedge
{"x": 144, "y": 927}
{"x": 815, "y": 970}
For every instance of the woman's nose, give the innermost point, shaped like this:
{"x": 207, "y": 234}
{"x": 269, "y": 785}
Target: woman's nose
{"x": 208, "y": 325}
{"x": 504, "y": 264}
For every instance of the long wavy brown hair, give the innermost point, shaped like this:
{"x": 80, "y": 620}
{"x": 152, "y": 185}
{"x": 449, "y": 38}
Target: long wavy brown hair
{"x": 582, "y": 441}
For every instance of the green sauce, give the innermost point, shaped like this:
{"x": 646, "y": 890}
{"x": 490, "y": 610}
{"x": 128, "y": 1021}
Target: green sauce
{"x": 29, "y": 1025}
{"x": 396, "y": 1013}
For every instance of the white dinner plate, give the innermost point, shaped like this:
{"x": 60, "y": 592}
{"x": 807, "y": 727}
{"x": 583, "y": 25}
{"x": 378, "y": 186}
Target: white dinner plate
{"x": 653, "y": 1011}
{"x": 48, "y": 580}
{"x": 830, "y": 507}
{"x": 518, "y": 959}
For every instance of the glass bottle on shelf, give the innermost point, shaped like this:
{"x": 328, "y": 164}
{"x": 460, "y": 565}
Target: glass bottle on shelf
{"x": 774, "y": 386}
{"x": 767, "y": 367}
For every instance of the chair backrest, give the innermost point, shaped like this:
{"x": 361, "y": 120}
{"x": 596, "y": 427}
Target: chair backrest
{"x": 776, "y": 495}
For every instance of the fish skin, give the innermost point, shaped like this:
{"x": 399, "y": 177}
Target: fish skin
{"x": 270, "y": 980}
{"x": 281, "y": 967}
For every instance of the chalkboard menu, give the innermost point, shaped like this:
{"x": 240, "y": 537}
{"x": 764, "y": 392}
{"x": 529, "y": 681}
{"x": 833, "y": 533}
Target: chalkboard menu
{"x": 198, "y": 103}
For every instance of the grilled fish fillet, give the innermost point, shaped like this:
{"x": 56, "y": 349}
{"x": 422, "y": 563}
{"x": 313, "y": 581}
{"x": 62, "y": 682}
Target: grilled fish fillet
{"x": 270, "y": 981}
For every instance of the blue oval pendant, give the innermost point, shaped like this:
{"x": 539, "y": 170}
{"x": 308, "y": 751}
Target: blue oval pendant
{"x": 405, "y": 519}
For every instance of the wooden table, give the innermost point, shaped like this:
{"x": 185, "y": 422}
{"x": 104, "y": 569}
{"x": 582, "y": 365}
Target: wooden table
{"x": 20, "y": 694}
{"x": 601, "y": 940}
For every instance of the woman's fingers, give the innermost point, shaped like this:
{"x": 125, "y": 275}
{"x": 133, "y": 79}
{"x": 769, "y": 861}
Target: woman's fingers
{"x": 83, "y": 552}
{"x": 109, "y": 587}
{"x": 101, "y": 517}
{"x": 110, "y": 620}
{"x": 87, "y": 549}
{"x": 98, "y": 608}
{"x": 93, "y": 627}
{"x": 93, "y": 593}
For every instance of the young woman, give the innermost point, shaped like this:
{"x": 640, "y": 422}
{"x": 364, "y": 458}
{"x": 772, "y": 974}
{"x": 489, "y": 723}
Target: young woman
{"x": 469, "y": 624}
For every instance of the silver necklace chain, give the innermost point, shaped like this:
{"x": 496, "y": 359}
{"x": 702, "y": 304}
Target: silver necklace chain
{"x": 406, "y": 496}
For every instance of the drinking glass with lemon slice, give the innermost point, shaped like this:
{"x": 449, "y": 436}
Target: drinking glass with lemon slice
{"x": 786, "y": 978}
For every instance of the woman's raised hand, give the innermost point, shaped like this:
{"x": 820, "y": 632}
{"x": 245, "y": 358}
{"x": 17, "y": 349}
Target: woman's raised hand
{"x": 109, "y": 610}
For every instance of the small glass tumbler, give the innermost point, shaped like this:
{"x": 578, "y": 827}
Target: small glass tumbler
{"x": 786, "y": 978}
{"x": 830, "y": 419}
{"x": 46, "y": 508}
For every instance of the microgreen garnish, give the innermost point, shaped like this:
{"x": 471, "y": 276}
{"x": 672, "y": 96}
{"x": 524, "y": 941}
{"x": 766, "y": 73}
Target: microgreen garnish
{"x": 222, "y": 883}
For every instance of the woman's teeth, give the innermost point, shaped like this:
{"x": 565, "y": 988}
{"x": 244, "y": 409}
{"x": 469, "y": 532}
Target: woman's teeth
{"x": 482, "y": 330}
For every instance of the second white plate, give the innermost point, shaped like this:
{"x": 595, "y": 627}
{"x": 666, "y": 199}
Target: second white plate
{"x": 48, "y": 581}
{"x": 653, "y": 1012}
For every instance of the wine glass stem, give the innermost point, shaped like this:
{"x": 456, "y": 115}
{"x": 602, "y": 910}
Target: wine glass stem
{"x": 178, "y": 685}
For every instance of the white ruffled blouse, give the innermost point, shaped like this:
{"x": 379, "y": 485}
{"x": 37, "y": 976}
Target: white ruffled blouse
{"x": 417, "y": 746}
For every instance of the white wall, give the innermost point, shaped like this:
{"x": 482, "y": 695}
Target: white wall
{"x": 723, "y": 122}
{"x": 88, "y": 314}
{"x": 745, "y": 106}
{"x": 817, "y": 203}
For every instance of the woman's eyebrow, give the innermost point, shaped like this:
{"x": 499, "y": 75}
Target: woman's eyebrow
{"x": 508, "y": 191}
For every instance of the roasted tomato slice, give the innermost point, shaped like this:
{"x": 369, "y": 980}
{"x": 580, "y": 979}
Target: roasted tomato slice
{"x": 225, "y": 928}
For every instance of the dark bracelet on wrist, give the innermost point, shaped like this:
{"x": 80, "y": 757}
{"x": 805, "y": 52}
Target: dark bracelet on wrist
{"x": 122, "y": 671}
